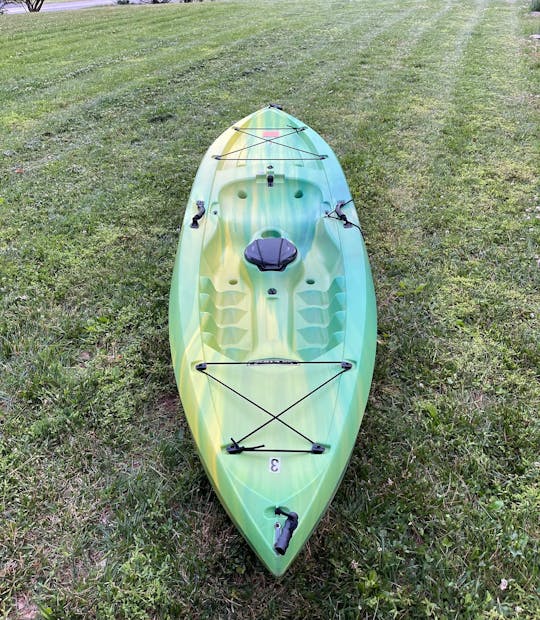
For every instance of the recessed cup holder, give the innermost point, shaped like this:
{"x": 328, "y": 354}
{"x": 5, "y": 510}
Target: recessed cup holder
{"x": 271, "y": 233}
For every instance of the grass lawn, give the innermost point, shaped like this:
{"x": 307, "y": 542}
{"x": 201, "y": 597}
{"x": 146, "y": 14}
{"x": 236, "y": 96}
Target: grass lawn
{"x": 431, "y": 106}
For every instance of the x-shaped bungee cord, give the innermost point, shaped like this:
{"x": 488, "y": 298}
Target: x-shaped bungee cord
{"x": 235, "y": 447}
{"x": 270, "y": 140}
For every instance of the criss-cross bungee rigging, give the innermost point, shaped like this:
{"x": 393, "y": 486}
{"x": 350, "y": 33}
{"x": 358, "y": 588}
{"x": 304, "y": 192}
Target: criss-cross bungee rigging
{"x": 235, "y": 447}
{"x": 270, "y": 140}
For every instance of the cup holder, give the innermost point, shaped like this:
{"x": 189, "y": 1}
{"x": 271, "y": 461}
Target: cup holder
{"x": 271, "y": 234}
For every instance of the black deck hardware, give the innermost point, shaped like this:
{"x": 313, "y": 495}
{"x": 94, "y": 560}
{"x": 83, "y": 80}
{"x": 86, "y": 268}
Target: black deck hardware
{"x": 287, "y": 531}
{"x": 235, "y": 448}
{"x": 275, "y": 105}
{"x": 272, "y": 361}
{"x": 271, "y": 253}
{"x": 342, "y": 215}
{"x": 198, "y": 216}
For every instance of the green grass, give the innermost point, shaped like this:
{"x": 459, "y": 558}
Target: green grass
{"x": 431, "y": 107}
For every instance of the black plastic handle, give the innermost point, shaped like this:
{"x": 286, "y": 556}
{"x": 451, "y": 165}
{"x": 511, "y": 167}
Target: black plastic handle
{"x": 342, "y": 215}
{"x": 201, "y": 211}
{"x": 287, "y": 531}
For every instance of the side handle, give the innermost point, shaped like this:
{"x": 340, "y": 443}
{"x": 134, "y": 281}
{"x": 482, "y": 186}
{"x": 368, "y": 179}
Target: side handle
{"x": 342, "y": 215}
{"x": 200, "y": 212}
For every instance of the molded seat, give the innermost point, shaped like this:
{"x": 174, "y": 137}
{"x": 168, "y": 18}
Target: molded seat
{"x": 271, "y": 253}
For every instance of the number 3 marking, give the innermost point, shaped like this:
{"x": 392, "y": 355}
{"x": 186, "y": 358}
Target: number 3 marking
{"x": 274, "y": 465}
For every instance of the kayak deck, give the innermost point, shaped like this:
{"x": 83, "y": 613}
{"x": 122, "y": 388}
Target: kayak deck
{"x": 272, "y": 322}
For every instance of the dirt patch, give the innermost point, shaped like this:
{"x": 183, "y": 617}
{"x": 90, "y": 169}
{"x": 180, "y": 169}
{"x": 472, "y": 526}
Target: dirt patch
{"x": 26, "y": 610}
{"x": 169, "y": 403}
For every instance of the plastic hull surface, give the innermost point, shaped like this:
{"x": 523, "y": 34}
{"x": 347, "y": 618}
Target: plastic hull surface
{"x": 273, "y": 366}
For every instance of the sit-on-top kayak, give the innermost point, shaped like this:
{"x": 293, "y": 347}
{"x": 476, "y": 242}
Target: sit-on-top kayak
{"x": 272, "y": 327}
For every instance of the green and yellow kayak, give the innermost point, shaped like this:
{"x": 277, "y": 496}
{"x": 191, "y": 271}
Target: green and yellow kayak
{"x": 272, "y": 327}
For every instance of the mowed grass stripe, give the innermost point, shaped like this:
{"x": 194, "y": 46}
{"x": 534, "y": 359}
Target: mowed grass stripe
{"x": 406, "y": 121}
{"x": 235, "y": 46}
{"x": 402, "y": 117}
{"x": 399, "y": 114}
{"x": 230, "y": 33}
{"x": 73, "y": 26}
{"x": 161, "y": 31}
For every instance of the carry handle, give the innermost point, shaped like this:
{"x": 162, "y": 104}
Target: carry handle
{"x": 342, "y": 215}
{"x": 286, "y": 531}
{"x": 200, "y": 213}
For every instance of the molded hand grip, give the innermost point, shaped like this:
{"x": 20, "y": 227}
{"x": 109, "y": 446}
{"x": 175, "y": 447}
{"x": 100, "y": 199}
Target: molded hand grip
{"x": 286, "y": 532}
{"x": 342, "y": 215}
{"x": 200, "y": 213}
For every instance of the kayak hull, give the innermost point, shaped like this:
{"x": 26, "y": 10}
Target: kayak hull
{"x": 273, "y": 359}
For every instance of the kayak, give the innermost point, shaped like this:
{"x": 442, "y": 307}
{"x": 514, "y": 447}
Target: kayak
{"x": 272, "y": 322}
